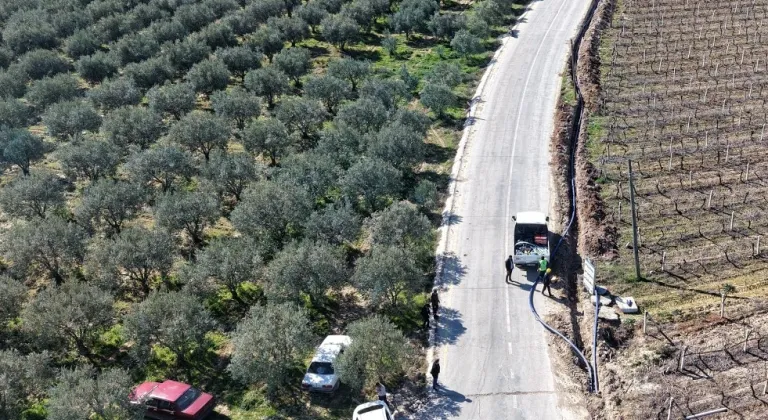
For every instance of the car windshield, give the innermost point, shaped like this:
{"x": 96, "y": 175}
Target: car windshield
{"x": 321, "y": 368}
{"x": 371, "y": 408}
{"x": 187, "y": 398}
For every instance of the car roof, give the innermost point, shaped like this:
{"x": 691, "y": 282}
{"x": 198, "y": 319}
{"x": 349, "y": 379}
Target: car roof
{"x": 531, "y": 218}
{"x": 370, "y": 415}
{"x": 169, "y": 390}
{"x": 330, "y": 348}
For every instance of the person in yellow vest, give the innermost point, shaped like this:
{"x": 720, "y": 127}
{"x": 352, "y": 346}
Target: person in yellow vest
{"x": 542, "y": 267}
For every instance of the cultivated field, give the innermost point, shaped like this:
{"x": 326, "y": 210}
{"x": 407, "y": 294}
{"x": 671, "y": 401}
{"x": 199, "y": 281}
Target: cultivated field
{"x": 683, "y": 91}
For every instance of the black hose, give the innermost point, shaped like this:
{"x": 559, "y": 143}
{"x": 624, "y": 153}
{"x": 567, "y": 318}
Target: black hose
{"x": 575, "y": 129}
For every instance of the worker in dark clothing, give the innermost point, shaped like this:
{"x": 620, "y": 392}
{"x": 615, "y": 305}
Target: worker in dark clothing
{"x": 547, "y": 280}
{"x": 509, "y": 264}
{"x": 435, "y": 371}
{"x": 425, "y": 315}
{"x": 542, "y": 267}
{"x": 435, "y": 299}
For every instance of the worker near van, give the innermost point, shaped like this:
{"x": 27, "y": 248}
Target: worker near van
{"x": 435, "y": 372}
{"x": 435, "y": 299}
{"x": 509, "y": 264}
{"x": 547, "y": 282}
{"x": 425, "y": 316}
{"x": 381, "y": 392}
{"x": 542, "y": 267}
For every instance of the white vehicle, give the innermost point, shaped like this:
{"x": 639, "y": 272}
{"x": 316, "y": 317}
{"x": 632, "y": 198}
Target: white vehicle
{"x": 374, "y": 410}
{"x": 320, "y": 375}
{"x": 531, "y": 237}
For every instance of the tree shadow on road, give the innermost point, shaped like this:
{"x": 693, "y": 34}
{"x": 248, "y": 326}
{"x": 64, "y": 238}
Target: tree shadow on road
{"x": 453, "y": 270}
{"x": 449, "y": 327}
{"x": 442, "y": 403}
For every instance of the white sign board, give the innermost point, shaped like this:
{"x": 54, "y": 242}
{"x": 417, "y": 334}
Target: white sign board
{"x": 589, "y": 276}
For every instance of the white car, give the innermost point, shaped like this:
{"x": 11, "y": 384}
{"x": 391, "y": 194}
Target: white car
{"x": 374, "y": 410}
{"x": 320, "y": 375}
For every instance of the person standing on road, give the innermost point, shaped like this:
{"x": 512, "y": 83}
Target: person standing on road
{"x": 435, "y": 299}
{"x": 381, "y": 391}
{"x": 542, "y": 267}
{"x": 547, "y": 281}
{"x": 509, "y": 264}
{"x": 425, "y": 316}
{"x": 435, "y": 371}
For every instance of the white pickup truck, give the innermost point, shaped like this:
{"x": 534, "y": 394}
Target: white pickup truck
{"x": 531, "y": 237}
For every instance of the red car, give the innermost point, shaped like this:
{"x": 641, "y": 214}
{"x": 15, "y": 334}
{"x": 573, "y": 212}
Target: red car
{"x": 171, "y": 400}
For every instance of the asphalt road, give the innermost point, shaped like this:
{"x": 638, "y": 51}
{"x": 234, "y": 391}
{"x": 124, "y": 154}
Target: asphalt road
{"x": 494, "y": 356}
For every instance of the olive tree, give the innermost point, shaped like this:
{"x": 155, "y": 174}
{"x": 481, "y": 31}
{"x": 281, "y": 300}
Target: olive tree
{"x": 370, "y": 182}
{"x": 84, "y": 392}
{"x": 240, "y": 59}
{"x": 231, "y": 173}
{"x": 97, "y": 67}
{"x": 32, "y": 196}
{"x": 316, "y": 172}
{"x": 132, "y": 260}
{"x": 67, "y": 119}
{"x": 186, "y": 52}
{"x": 399, "y": 145}
{"x": 13, "y": 295}
{"x": 293, "y": 28}
{"x": 115, "y": 93}
{"x": 294, "y": 62}
{"x": 387, "y": 274}
{"x": 135, "y": 47}
{"x": 49, "y": 246}
{"x": 81, "y": 42}
{"x": 165, "y": 165}
{"x": 331, "y": 91}
{"x": 269, "y": 345}
{"x": 89, "y": 159}
{"x": 236, "y": 104}
{"x": 305, "y": 268}
{"x": 337, "y": 224}
{"x": 14, "y": 113}
{"x": 301, "y": 116}
{"x": 190, "y": 212}
{"x": 445, "y": 25}
{"x": 312, "y": 12}
{"x": 27, "y": 29}
{"x": 21, "y": 148}
{"x": 366, "y": 115}
{"x": 202, "y": 132}
{"x": 466, "y": 44}
{"x": 50, "y": 90}
{"x": 438, "y": 97}
{"x": 268, "y": 82}
{"x": 25, "y": 377}
{"x": 69, "y": 317}
{"x": 270, "y": 211}
{"x": 174, "y": 320}
{"x": 37, "y": 64}
{"x": 151, "y": 72}
{"x": 208, "y": 75}
{"x": 133, "y": 125}
{"x": 110, "y": 203}
{"x": 174, "y": 99}
{"x": 379, "y": 353}
{"x": 339, "y": 30}
{"x": 413, "y": 15}
{"x": 401, "y": 225}
{"x": 12, "y": 83}
{"x": 225, "y": 264}
{"x": 268, "y": 136}
{"x": 349, "y": 69}
{"x": 268, "y": 39}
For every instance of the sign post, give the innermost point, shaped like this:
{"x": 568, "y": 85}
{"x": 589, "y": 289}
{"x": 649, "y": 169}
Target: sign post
{"x": 589, "y": 276}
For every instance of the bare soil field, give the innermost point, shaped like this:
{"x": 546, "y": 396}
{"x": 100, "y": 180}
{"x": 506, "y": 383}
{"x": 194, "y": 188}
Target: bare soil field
{"x": 682, "y": 93}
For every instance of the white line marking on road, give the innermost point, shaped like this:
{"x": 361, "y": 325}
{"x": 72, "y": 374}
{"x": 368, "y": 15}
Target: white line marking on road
{"x": 509, "y": 324}
{"x": 517, "y": 124}
{"x": 509, "y": 347}
{"x": 514, "y": 401}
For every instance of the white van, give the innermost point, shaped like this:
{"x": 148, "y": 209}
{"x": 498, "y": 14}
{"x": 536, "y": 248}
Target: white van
{"x": 531, "y": 237}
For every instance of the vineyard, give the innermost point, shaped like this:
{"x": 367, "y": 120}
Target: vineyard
{"x": 683, "y": 87}
{"x": 684, "y": 90}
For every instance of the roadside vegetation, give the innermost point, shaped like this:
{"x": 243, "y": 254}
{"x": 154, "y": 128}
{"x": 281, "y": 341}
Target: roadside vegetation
{"x": 202, "y": 190}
